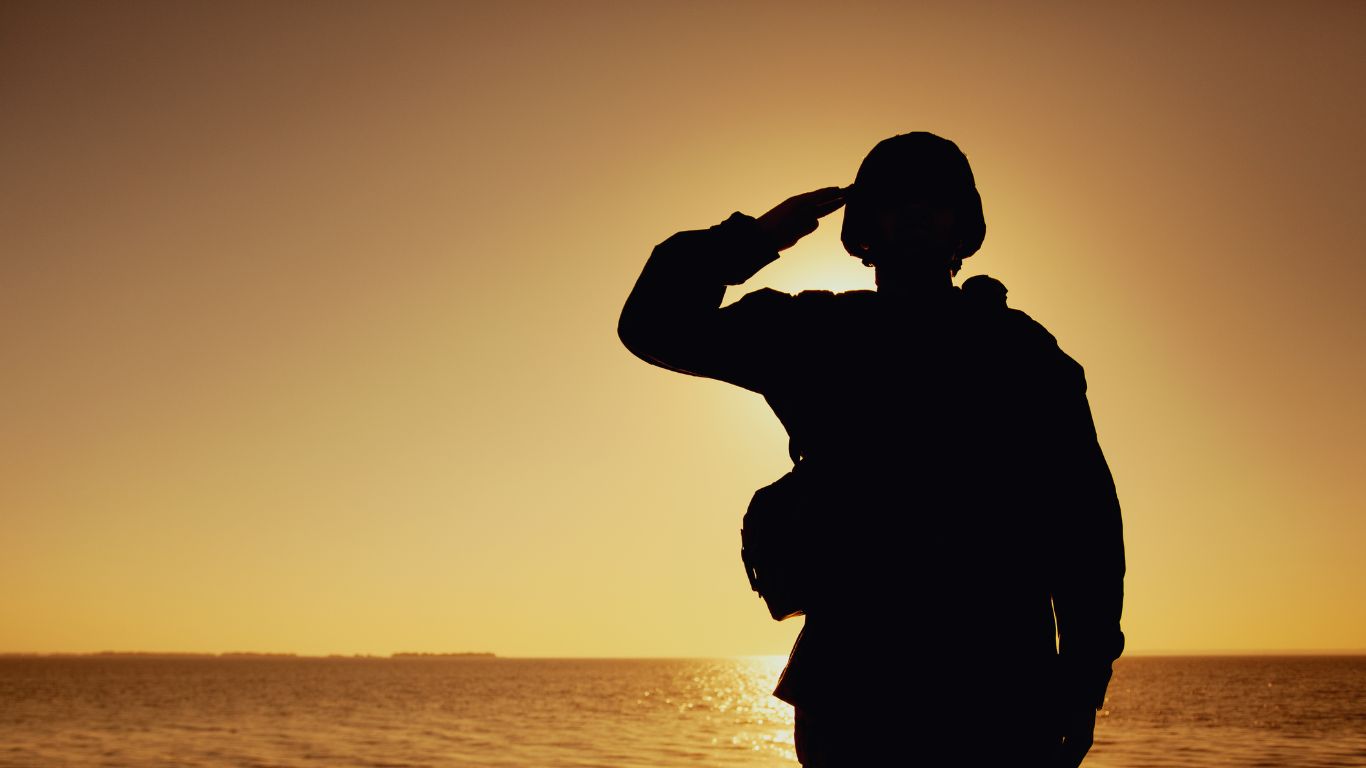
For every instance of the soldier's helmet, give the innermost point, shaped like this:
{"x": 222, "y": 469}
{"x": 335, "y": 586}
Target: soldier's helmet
{"x": 917, "y": 164}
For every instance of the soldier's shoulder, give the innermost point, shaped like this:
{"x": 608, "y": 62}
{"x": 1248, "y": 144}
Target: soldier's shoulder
{"x": 1039, "y": 347}
{"x": 984, "y": 293}
{"x": 1026, "y": 328}
{"x": 837, "y": 307}
{"x": 984, "y": 300}
{"x": 763, "y": 299}
{"x": 815, "y": 300}
{"x": 823, "y": 296}
{"x": 767, "y": 294}
{"x": 821, "y": 300}
{"x": 1028, "y": 340}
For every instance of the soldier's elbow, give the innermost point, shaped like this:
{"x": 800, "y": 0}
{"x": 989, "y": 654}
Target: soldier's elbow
{"x": 634, "y": 336}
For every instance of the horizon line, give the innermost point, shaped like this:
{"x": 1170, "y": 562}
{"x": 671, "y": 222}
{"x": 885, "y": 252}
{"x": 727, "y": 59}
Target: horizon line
{"x": 399, "y": 655}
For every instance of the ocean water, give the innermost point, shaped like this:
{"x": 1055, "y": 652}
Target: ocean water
{"x": 541, "y": 713}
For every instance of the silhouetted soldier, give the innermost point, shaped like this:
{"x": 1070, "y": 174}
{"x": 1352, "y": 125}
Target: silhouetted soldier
{"x": 962, "y": 500}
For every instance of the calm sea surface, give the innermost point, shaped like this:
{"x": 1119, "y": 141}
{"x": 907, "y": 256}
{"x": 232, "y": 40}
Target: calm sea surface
{"x": 1162, "y": 711}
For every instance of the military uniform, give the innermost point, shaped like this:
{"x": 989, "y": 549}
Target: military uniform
{"x": 969, "y": 514}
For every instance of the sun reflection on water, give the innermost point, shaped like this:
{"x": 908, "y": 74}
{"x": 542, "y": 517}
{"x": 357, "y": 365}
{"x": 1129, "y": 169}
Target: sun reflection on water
{"x": 729, "y": 703}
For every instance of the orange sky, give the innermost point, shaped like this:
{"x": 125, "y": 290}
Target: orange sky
{"x": 309, "y": 308}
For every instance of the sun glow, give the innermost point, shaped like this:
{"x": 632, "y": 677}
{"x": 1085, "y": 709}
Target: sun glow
{"x": 310, "y": 320}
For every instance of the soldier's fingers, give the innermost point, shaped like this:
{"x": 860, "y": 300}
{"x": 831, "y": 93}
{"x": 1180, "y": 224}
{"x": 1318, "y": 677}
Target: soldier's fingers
{"x": 818, "y": 196}
{"x": 828, "y": 206}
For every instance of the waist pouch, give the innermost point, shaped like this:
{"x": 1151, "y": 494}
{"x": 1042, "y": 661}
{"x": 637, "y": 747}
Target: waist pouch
{"x": 778, "y": 544}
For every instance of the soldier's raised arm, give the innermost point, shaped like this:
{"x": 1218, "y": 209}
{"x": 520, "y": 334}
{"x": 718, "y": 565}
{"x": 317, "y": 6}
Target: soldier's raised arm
{"x": 673, "y": 316}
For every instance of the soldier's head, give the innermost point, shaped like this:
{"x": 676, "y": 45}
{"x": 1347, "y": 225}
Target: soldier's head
{"x": 913, "y": 211}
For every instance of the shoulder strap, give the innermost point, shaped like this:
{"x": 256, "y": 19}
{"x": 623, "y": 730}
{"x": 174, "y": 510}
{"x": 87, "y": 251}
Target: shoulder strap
{"x": 984, "y": 292}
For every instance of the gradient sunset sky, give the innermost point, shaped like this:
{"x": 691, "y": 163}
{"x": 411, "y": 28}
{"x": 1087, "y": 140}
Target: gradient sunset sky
{"x": 309, "y": 309}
